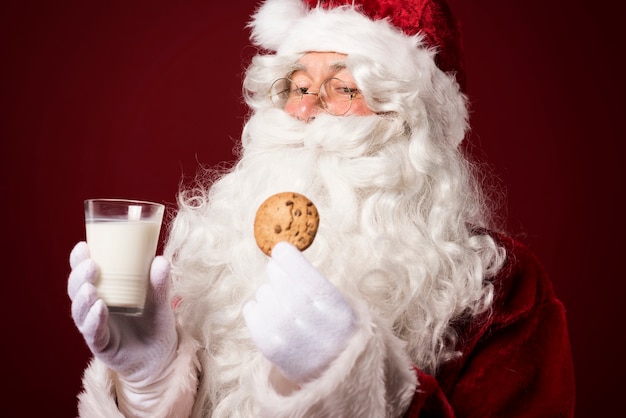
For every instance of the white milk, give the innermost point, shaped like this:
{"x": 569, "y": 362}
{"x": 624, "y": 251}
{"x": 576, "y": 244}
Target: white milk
{"x": 124, "y": 251}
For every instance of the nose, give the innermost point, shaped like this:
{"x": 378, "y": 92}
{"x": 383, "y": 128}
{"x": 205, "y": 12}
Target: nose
{"x": 305, "y": 109}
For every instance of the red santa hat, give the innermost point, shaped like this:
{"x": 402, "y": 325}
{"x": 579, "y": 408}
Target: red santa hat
{"x": 388, "y": 31}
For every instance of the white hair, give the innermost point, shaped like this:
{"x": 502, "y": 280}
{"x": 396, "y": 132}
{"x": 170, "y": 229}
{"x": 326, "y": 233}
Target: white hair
{"x": 403, "y": 219}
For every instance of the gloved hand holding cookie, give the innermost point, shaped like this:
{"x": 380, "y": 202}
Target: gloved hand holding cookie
{"x": 298, "y": 306}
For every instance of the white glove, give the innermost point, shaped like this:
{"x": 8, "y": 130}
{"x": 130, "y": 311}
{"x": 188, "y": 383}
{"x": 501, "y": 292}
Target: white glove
{"x": 299, "y": 320}
{"x": 139, "y": 348}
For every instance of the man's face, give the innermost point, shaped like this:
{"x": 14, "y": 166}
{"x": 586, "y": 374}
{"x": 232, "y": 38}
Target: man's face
{"x": 321, "y": 82}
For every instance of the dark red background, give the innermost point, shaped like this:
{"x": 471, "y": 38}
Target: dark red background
{"x": 125, "y": 98}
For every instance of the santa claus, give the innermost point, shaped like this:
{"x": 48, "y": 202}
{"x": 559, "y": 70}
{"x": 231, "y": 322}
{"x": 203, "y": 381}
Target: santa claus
{"x": 407, "y": 303}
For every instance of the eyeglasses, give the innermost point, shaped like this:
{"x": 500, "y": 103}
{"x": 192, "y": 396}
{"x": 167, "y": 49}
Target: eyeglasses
{"x": 334, "y": 95}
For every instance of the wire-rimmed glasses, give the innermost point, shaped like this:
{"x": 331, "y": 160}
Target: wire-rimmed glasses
{"x": 334, "y": 94}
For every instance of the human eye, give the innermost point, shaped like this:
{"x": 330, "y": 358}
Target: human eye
{"x": 300, "y": 84}
{"x": 298, "y": 90}
{"x": 295, "y": 92}
{"x": 348, "y": 91}
{"x": 341, "y": 88}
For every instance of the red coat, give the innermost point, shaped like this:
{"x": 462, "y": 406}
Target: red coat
{"x": 517, "y": 363}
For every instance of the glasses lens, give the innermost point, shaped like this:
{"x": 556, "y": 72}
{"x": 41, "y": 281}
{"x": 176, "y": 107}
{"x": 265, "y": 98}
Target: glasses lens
{"x": 337, "y": 96}
{"x": 281, "y": 90}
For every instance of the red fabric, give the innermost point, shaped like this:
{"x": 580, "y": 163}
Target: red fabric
{"x": 516, "y": 362}
{"x": 432, "y": 18}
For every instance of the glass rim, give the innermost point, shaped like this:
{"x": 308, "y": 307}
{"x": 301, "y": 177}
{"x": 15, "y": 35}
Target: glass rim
{"x": 123, "y": 201}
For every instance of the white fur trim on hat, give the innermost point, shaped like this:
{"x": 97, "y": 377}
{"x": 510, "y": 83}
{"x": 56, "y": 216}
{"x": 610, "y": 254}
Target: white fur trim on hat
{"x": 290, "y": 27}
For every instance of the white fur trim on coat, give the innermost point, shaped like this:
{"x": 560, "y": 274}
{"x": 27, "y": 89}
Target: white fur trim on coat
{"x": 98, "y": 398}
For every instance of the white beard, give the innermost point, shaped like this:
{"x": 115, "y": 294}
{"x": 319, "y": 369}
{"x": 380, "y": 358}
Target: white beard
{"x": 371, "y": 240}
{"x": 338, "y": 163}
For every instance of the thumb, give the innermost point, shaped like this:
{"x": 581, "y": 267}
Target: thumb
{"x": 159, "y": 283}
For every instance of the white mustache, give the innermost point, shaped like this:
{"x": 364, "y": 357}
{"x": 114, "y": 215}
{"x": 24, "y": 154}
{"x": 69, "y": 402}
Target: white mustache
{"x": 344, "y": 136}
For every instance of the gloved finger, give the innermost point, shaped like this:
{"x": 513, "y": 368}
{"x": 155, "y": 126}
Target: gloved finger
{"x": 159, "y": 280}
{"x": 249, "y": 312}
{"x": 252, "y": 316}
{"x": 288, "y": 292}
{"x": 83, "y": 301}
{"x": 301, "y": 271}
{"x": 95, "y": 328}
{"x": 79, "y": 253}
{"x": 266, "y": 296}
{"x": 262, "y": 331}
{"x": 276, "y": 275}
{"x": 85, "y": 272}
{"x": 266, "y": 309}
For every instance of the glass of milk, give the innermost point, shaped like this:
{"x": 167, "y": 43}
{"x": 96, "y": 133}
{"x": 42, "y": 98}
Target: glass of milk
{"x": 122, "y": 236}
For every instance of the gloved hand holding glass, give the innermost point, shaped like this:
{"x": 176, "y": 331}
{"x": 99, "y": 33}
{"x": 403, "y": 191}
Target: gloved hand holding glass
{"x": 119, "y": 292}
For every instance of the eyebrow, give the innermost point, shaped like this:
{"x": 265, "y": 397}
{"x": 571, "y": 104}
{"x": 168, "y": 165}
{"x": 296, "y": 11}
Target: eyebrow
{"x": 333, "y": 66}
